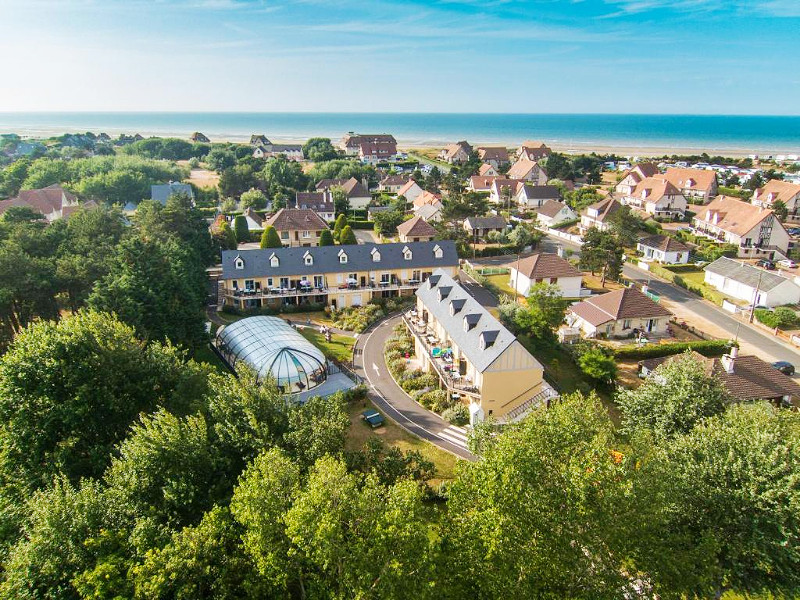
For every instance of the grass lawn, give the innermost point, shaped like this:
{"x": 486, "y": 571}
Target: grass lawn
{"x": 503, "y": 282}
{"x": 593, "y": 283}
{"x": 318, "y": 316}
{"x": 394, "y": 435}
{"x": 340, "y": 347}
{"x": 698, "y": 278}
{"x": 204, "y": 354}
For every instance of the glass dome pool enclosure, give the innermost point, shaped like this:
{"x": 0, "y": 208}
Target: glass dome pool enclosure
{"x": 273, "y": 348}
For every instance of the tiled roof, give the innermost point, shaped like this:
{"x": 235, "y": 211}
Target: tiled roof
{"x": 493, "y": 153}
{"x": 482, "y": 182}
{"x": 551, "y": 208}
{"x": 355, "y": 189}
{"x": 491, "y": 222}
{"x": 426, "y": 197}
{"x": 43, "y": 200}
{"x": 605, "y": 208}
{"x": 746, "y": 274}
{"x": 484, "y": 169}
{"x": 695, "y": 179}
{"x": 775, "y": 190}
{"x": 428, "y": 211}
{"x": 298, "y": 219}
{"x": 627, "y": 303}
{"x": 540, "y": 192}
{"x": 733, "y": 215}
{"x": 544, "y": 265}
{"x": 394, "y": 180}
{"x": 664, "y": 243}
{"x": 316, "y": 201}
{"x": 416, "y": 226}
{"x": 325, "y": 184}
{"x": 521, "y": 168}
{"x": 652, "y": 189}
{"x": 407, "y": 187}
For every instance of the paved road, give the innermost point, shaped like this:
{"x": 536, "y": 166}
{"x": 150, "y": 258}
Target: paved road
{"x": 396, "y": 404}
{"x": 364, "y": 236}
{"x": 481, "y": 294}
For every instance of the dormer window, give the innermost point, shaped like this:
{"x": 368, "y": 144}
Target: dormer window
{"x": 342, "y": 257}
{"x": 308, "y": 259}
{"x": 407, "y": 255}
{"x": 456, "y": 306}
{"x": 487, "y": 339}
{"x": 238, "y": 262}
{"x": 274, "y": 261}
{"x": 433, "y": 280}
{"x": 470, "y": 321}
{"x": 376, "y": 256}
{"x": 437, "y": 251}
{"x": 444, "y": 292}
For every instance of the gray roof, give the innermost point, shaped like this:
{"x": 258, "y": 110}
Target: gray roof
{"x": 746, "y": 274}
{"x": 162, "y": 191}
{"x": 326, "y": 259}
{"x": 491, "y": 222}
{"x": 427, "y": 211}
{"x": 485, "y": 326}
{"x": 541, "y": 192}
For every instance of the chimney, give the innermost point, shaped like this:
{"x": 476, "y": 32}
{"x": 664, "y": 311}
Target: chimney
{"x": 729, "y": 359}
{"x": 644, "y": 288}
{"x": 560, "y": 251}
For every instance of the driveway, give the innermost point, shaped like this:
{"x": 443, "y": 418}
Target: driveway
{"x": 484, "y": 297}
{"x": 396, "y": 404}
{"x": 365, "y": 236}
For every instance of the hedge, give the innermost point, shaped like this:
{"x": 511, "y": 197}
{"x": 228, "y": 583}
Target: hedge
{"x": 704, "y": 347}
{"x": 782, "y": 318}
{"x": 361, "y": 224}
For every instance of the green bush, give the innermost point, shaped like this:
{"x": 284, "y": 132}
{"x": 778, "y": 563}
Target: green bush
{"x": 433, "y": 400}
{"x": 782, "y": 317}
{"x": 397, "y": 366}
{"x": 361, "y": 224}
{"x": 704, "y": 347}
{"x": 456, "y": 414}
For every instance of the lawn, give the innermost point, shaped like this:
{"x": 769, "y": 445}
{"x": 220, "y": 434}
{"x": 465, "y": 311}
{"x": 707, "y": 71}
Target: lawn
{"x": 394, "y": 435}
{"x": 593, "y": 282}
{"x": 503, "y": 283}
{"x": 697, "y": 278}
{"x": 340, "y": 348}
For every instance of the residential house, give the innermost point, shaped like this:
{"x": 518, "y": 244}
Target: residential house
{"x": 198, "y": 137}
{"x": 497, "y": 156}
{"x": 255, "y": 222}
{"x": 320, "y": 202}
{"x": 534, "y": 196}
{"x": 546, "y": 268}
{"x": 657, "y": 197}
{"x": 374, "y": 210}
{"x": 619, "y": 314}
{"x": 535, "y": 151}
{"x": 487, "y": 170}
{"x": 298, "y": 226}
{"x": 370, "y": 148}
{"x": 633, "y": 176}
{"x": 527, "y": 170}
{"x": 259, "y": 140}
{"x": 290, "y": 151}
{"x": 598, "y": 214}
{"x": 357, "y": 193}
{"x": 416, "y": 229}
{"x": 745, "y": 378}
{"x": 553, "y": 213}
{"x": 326, "y": 184}
{"x": 456, "y": 154}
{"x": 430, "y": 212}
{"x": 481, "y": 183}
{"x": 410, "y": 191}
{"x": 504, "y": 190}
{"x": 776, "y": 190}
{"x": 480, "y": 227}
{"x": 746, "y": 282}
{"x": 162, "y": 192}
{"x": 52, "y": 202}
{"x": 337, "y": 276}
{"x": 663, "y": 249}
{"x": 392, "y": 184}
{"x": 476, "y": 358}
{"x": 694, "y": 183}
{"x": 424, "y": 198}
{"x": 754, "y": 230}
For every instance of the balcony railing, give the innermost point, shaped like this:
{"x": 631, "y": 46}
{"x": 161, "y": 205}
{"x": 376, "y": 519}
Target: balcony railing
{"x": 318, "y": 291}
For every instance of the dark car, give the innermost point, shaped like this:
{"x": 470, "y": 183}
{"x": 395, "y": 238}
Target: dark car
{"x": 766, "y": 264}
{"x": 784, "y": 367}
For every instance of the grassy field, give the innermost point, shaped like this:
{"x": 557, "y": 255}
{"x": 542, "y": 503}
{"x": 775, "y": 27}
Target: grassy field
{"x": 394, "y": 435}
{"x": 698, "y": 278}
{"x": 502, "y": 282}
{"x": 340, "y": 347}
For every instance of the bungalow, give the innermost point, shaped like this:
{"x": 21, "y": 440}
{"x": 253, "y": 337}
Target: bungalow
{"x": 694, "y": 183}
{"x": 255, "y": 222}
{"x": 753, "y": 285}
{"x": 410, "y": 191}
{"x": 633, "y": 176}
{"x": 663, "y": 249}
{"x": 480, "y": 227}
{"x": 657, "y": 197}
{"x": 370, "y": 147}
{"x": 298, "y": 226}
{"x": 456, "y": 154}
{"x": 430, "y": 212}
{"x": 481, "y": 183}
{"x": 553, "y": 213}
{"x": 546, "y": 268}
{"x": 391, "y": 184}
{"x": 619, "y": 314}
{"x": 497, "y": 156}
{"x": 754, "y": 230}
{"x": 320, "y": 202}
{"x": 52, "y": 202}
{"x": 503, "y": 190}
{"x": 487, "y": 170}
{"x": 528, "y": 170}
{"x": 199, "y": 137}
{"x": 598, "y": 214}
{"x": 533, "y": 151}
{"x": 416, "y": 229}
{"x": 535, "y": 196}
{"x": 776, "y": 190}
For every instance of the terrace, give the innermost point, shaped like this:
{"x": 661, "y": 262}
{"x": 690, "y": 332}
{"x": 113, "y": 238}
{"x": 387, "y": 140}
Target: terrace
{"x": 303, "y": 288}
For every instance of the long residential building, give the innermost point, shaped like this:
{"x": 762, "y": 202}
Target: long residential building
{"x": 476, "y": 358}
{"x": 337, "y": 276}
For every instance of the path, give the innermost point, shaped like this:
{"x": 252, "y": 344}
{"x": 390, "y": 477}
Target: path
{"x": 395, "y": 403}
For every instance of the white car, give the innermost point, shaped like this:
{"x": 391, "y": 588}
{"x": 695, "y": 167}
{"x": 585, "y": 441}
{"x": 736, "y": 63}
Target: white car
{"x": 787, "y": 264}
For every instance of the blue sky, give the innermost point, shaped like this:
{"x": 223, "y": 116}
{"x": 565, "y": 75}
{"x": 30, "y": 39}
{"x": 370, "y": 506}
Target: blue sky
{"x": 660, "y": 56}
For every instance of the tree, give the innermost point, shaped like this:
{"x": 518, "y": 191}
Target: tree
{"x": 341, "y": 202}
{"x": 253, "y": 198}
{"x": 237, "y": 180}
{"x": 386, "y": 222}
{"x": 598, "y": 364}
{"x": 347, "y": 237}
{"x": 601, "y": 251}
{"x": 780, "y": 210}
{"x": 283, "y": 178}
{"x": 625, "y": 224}
{"x": 673, "y": 400}
{"x": 319, "y": 150}
{"x": 341, "y": 169}
{"x": 317, "y": 427}
{"x": 220, "y": 158}
{"x": 340, "y": 223}
{"x": 270, "y": 238}
{"x": 326, "y": 238}
{"x": 226, "y": 237}
{"x": 241, "y": 229}
{"x": 546, "y": 310}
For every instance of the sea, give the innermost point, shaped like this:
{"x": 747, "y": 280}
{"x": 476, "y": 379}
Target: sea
{"x": 567, "y": 132}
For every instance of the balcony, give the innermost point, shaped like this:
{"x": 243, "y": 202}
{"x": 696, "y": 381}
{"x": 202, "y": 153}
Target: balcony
{"x": 443, "y": 364}
{"x": 310, "y": 290}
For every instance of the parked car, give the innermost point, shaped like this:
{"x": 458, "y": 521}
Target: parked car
{"x": 766, "y": 264}
{"x": 793, "y": 231}
{"x": 784, "y": 367}
{"x": 787, "y": 263}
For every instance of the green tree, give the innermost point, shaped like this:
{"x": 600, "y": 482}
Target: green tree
{"x": 253, "y": 198}
{"x": 598, "y": 364}
{"x": 467, "y": 204}
{"x": 780, "y": 210}
{"x": 237, "y": 180}
{"x": 220, "y": 158}
{"x": 347, "y": 237}
{"x": 284, "y": 178}
{"x": 319, "y": 149}
{"x": 601, "y": 251}
{"x": 317, "y": 428}
{"x": 227, "y": 238}
{"x": 270, "y": 238}
{"x": 240, "y": 229}
{"x": 326, "y": 238}
{"x": 673, "y": 400}
{"x": 341, "y": 202}
{"x": 626, "y": 225}
{"x": 386, "y": 222}
{"x": 545, "y": 312}
{"x": 341, "y": 169}
{"x": 340, "y": 223}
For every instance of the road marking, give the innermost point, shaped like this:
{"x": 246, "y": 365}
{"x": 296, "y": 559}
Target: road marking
{"x": 454, "y": 435}
{"x": 377, "y": 371}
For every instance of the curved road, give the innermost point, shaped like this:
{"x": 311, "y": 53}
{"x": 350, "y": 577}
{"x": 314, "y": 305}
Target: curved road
{"x": 395, "y": 403}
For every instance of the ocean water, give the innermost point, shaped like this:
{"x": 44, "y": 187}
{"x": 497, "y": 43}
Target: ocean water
{"x": 759, "y": 134}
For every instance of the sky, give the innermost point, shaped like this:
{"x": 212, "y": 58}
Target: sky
{"x": 537, "y": 56}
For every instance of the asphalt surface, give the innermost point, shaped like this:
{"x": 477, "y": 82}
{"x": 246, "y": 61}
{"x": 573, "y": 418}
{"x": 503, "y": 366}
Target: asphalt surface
{"x": 481, "y": 294}
{"x": 395, "y": 403}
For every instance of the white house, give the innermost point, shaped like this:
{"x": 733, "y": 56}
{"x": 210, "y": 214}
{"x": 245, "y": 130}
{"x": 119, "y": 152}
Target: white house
{"x": 503, "y": 190}
{"x": 598, "y": 214}
{"x": 657, "y": 197}
{"x": 487, "y": 170}
{"x": 620, "y": 314}
{"x": 694, "y": 183}
{"x": 553, "y": 213}
{"x": 776, "y": 190}
{"x": 534, "y": 196}
{"x": 430, "y": 212}
{"x": 740, "y": 280}
{"x": 633, "y": 176}
{"x": 546, "y": 268}
{"x": 754, "y": 230}
{"x": 663, "y": 249}
{"x": 457, "y": 153}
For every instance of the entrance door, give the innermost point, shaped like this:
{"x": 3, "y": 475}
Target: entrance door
{"x": 650, "y": 325}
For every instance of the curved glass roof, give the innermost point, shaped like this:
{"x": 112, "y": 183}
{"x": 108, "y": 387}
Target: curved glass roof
{"x": 272, "y": 347}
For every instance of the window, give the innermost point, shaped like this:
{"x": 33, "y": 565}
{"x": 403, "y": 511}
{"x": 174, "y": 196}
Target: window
{"x": 437, "y": 251}
{"x": 285, "y": 283}
{"x": 407, "y": 255}
{"x": 238, "y": 262}
{"x": 308, "y": 259}
{"x": 306, "y": 234}
{"x": 274, "y": 261}
{"x": 249, "y": 285}
{"x": 384, "y": 278}
{"x": 284, "y": 235}
{"x": 269, "y": 282}
{"x": 235, "y": 285}
{"x": 376, "y": 256}
{"x": 626, "y": 324}
{"x": 342, "y": 257}
{"x": 318, "y": 281}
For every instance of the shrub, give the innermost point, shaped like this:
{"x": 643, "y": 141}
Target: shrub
{"x": 782, "y": 317}
{"x": 397, "y": 366}
{"x": 704, "y": 347}
{"x": 457, "y": 414}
